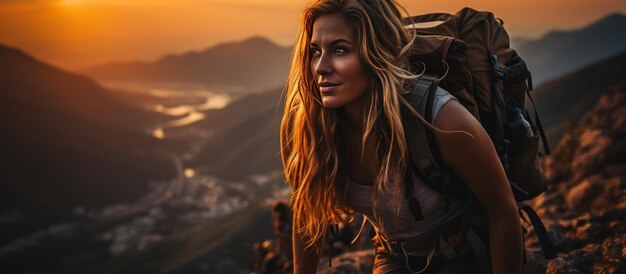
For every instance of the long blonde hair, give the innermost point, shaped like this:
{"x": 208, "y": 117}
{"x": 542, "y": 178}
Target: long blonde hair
{"x": 313, "y": 137}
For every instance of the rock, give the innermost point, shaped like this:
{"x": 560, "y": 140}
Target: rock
{"x": 590, "y": 232}
{"x": 535, "y": 263}
{"x": 582, "y": 195}
{"x": 562, "y": 266}
{"x": 613, "y": 191}
{"x": 614, "y": 251}
{"x": 617, "y": 226}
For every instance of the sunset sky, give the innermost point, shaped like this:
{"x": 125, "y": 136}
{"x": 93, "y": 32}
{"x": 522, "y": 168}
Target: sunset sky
{"x": 75, "y": 34}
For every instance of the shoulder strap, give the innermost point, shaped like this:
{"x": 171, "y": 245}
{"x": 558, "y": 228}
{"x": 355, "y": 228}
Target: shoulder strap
{"x": 421, "y": 157}
{"x": 421, "y": 160}
{"x": 425, "y": 159}
{"x": 428, "y": 115}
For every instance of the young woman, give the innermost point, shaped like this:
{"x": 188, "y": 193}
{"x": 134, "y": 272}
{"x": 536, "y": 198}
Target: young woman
{"x": 343, "y": 145}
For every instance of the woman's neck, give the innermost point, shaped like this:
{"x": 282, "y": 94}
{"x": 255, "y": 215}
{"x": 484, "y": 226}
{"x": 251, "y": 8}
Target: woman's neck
{"x": 355, "y": 121}
{"x": 360, "y": 156}
{"x": 355, "y": 113}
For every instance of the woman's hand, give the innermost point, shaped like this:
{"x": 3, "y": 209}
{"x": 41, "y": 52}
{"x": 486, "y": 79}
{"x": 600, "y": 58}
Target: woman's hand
{"x": 475, "y": 160}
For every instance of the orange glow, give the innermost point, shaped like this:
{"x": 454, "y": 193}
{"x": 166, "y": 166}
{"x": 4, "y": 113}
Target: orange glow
{"x": 76, "y": 34}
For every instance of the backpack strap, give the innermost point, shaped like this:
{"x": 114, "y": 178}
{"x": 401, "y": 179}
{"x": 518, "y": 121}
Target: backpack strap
{"x": 421, "y": 160}
{"x": 428, "y": 115}
{"x": 540, "y": 230}
{"x": 544, "y": 140}
{"x": 426, "y": 160}
{"x": 499, "y": 109}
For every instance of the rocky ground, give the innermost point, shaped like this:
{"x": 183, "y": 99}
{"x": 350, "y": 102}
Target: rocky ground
{"x": 585, "y": 207}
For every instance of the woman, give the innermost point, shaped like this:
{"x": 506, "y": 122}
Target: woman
{"x": 343, "y": 145}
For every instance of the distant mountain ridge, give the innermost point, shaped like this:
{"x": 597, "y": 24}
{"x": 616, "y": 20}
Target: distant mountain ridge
{"x": 255, "y": 63}
{"x": 258, "y": 64}
{"x": 561, "y": 52}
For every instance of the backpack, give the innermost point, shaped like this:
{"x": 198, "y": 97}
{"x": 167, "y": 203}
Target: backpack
{"x": 468, "y": 55}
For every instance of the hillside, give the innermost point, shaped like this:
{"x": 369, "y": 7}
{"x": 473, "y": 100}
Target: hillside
{"x": 585, "y": 207}
{"x": 247, "y": 142}
{"x": 67, "y": 143}
{"x": 563, "y": 100}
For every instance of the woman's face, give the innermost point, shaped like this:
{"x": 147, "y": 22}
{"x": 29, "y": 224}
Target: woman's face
{"x": 336, "y": 64}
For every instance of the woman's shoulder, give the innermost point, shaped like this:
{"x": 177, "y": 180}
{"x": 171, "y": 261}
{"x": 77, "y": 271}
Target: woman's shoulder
{"x": 419, "y": 99}
{"x": 442, "y": 97}
{"x": 452, "y": 116}
{"x": 460, "y": 132}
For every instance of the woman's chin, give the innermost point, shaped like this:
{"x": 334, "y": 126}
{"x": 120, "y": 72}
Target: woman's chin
{"x": 330, "y": 103}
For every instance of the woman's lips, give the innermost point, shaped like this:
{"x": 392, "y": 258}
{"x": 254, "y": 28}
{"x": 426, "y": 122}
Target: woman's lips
{"x": 329, "y": 89}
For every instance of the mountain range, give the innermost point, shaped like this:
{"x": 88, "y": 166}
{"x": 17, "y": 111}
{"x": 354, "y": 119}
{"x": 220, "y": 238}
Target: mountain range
{"x": 257, "y": 64}
{"x": 254, "y": 64}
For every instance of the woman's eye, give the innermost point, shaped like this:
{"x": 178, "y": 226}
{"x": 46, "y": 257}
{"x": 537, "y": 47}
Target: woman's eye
{"x": 340, "y": 50}
{"x": 315, "y": 51}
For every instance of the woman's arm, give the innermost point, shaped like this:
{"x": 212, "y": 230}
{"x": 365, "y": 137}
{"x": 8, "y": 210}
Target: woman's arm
{"x": 475, "y": 160}
{"x": 305, "y": 260}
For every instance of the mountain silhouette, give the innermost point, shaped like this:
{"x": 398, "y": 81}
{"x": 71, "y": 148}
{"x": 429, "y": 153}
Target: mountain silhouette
{"x": 561, "y": 52}
{"x": 67, "y": 143}
{"x": 563, "y": 100}
{"x": 252, "y": 64}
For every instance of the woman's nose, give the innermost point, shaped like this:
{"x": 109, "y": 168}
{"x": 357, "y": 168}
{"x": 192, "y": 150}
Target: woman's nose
{"x": 324, "y": 65}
